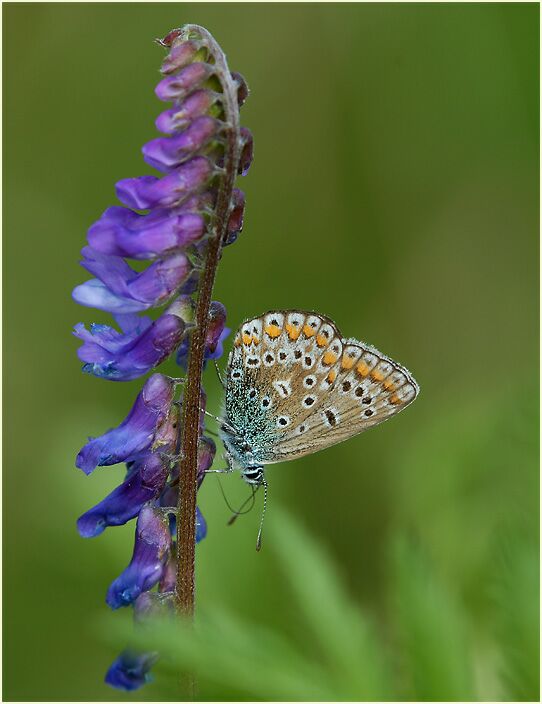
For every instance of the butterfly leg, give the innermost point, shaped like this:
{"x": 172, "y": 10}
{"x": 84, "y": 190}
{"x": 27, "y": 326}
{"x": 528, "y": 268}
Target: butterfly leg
{"x": 219, "y": 375}
{"x": 228, "y": 470}
{"x": 220, "y": 421}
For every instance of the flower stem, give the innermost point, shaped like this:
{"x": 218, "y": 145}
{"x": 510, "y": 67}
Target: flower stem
{"x": 190, "y": 427}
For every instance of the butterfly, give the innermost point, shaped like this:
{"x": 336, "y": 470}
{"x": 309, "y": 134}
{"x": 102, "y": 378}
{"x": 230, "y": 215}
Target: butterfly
{"x": 294, "y": 385}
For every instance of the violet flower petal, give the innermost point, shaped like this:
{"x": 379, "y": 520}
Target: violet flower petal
{"x": 135, "y": 434}
{"x": 150, "y": 287}
{"x": 165, "y": 153}
{"x": 151, "y": 550}
{"x": 121, "y": 232}
{"x": 201, "y": 526}
{"x": 179, "y": 56}
{"x": 145, "y": 352}
{"x": 130, "y": 670}
{"x": 145, "y": 192}
{"x": 178, "y": 117}
{"x": 176, "y": 87}
{"x": 145, "y": 480}
{"x": 95, "y": 294}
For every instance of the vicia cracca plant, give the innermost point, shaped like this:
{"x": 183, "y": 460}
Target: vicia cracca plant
{"x": 178, "y": 222}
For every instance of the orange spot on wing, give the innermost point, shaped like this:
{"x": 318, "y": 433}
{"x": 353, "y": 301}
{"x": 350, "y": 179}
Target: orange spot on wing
{"x": 329, "y": 358}
{"x": 255, "y": 340}
{"x": 395, "y": 399}
{"x": 273, "y": 330}
{"x": 389, "y": 385}
{"x": 321, "y": 340}
{"x": 332, "y": 376}
{"x": 347, "y": 362}
{"x": 293, "y": 332}
{"x": 376, "y": 375}
{"x": 362, "y": 369}
{"x": 308, "y": 331}
{"x": 247, "y": 339}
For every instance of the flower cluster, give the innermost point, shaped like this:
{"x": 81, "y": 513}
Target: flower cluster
{"x": 169, "y": 222}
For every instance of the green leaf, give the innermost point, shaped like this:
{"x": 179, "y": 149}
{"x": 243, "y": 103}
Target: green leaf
{"x": 344, "y": 635}
{"x": 517, "y": 618}
{"x": 434, "y": 650}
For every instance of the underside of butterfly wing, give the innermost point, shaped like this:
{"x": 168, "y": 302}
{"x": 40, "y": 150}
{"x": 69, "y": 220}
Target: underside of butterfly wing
{"x": 295, "y": 386}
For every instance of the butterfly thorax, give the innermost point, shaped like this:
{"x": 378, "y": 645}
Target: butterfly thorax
{"x": 247, "y": 439}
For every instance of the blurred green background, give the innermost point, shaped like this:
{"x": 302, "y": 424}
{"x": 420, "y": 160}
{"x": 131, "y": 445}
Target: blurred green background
{"x": 395, "y": 189}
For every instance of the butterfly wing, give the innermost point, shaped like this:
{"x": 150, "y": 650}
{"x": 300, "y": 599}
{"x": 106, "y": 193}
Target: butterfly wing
{"x": 321, "y": 388}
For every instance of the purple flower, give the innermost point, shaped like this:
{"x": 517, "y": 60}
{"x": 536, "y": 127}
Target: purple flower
{"x": 179, "y": 56}
{"x": 131, "y": 670}
{"x": 120, "y": 289}
{"x": 145, "y": 480}
{"x": 122, "y": 233}
{"x": 198, "y": 160}
{"x": 121, "y": 357}
{"x": 135, "y": 434}
{"x": 151, "y": 192}
{"x": 180, "y": 116}
{"x": 151, "y": 550}
{"x": 179, "y": 85}
{"x": 165, "y": 153}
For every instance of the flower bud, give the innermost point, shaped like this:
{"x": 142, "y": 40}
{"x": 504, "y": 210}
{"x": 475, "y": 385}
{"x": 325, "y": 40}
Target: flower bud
{"x": 176, "y": 118}
{"x": 235, "y": 221}
{"x": 242, "y": 88}
{"x": 165, "y": 153}
{"x": 180, "y": 55}
{"x": 179, "y": 85}
{"x": 150, "y": 192}
{"x": 247, "y": 151}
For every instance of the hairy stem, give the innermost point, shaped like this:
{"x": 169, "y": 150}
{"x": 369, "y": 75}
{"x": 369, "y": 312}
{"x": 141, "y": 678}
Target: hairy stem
{"x": 190, "y": 427}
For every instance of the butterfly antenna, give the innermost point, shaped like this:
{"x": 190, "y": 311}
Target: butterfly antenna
{"x": 239, "y": 511}
{"x": 259, "y": 538}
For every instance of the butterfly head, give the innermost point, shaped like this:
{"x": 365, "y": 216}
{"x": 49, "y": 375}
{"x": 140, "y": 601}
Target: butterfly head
{"x": 253, "y": 475}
